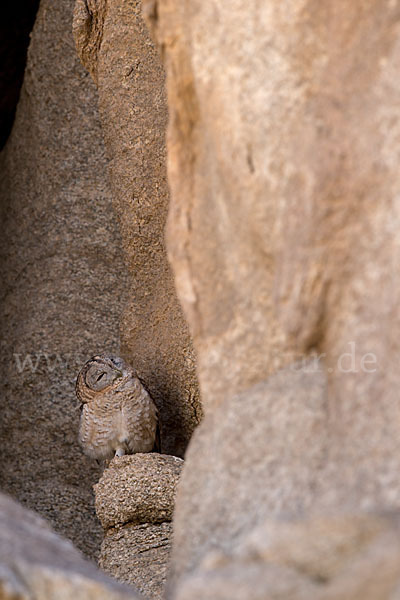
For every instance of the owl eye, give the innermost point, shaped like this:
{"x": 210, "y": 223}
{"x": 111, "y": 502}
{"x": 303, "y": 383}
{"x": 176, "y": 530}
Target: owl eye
{"x": 100, "y": 376}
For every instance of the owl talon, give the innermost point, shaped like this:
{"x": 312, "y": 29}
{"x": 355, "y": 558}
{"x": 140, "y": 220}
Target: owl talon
{"x": 119, "y": 452}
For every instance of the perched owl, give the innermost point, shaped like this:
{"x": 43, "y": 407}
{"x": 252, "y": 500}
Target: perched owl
{"x": 118, "y": 416}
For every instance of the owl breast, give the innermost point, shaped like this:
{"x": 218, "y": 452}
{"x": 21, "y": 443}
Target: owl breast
{"x": 126, "y": 423}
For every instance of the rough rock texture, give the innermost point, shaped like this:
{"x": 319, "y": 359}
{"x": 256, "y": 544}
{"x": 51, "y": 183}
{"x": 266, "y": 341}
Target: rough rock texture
{"x": 138, "y": 555}
{"x": 115, "y": 46}
{"x": 243, "y": 470}
{"x": 62, "y": 279}
{"x": 350, "y": 556}
{"x": 134, "y": 502}
{"x": 274, "y": 179}
{"x": 283, "y": 234}
{"x": 139, "y": 488}
{"x": 37, "y": 563}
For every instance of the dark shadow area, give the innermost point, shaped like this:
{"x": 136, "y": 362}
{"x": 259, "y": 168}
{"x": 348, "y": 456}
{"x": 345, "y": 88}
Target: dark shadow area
{"x": 18, "y": 17}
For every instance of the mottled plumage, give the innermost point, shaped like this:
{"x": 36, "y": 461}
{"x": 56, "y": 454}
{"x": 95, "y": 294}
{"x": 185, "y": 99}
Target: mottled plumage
{"x": 118, "y": 415}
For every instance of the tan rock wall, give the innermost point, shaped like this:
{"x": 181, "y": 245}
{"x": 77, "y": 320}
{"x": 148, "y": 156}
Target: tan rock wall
{"x": 283, "y": 235}
{"x": 115, "y": 46}
{"x": 273, "y": 179}
{"x": 241, "y": 469}
{"x": 348, "y": 556}
{"x": 63, "y": 271}
{"x": 62, "y": 279}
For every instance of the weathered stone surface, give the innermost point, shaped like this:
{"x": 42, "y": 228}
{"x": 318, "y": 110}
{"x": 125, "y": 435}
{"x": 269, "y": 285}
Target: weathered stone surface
{"x": 283, "y": 182}
{"x": 138, "y": 555}
{"x": 139, "y": 488}
{"x": 87, "y": 28}
{"x": 254, "y": 582}
{"x": 115, "y": 46}
{"x": 135, "y": 501}
{"x": 256, "y": 455}
{"x": 62, "y": 278}
{"x": 283, "y": 234}
{"x": 37, "y": 563}
{"x": 221, "y": 235}
{"x": 350, "y": 556}
{"x": 277, "y": 153}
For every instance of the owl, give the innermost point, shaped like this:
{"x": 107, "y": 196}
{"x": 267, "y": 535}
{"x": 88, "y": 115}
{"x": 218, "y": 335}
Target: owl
{"x": 118, "y": 415}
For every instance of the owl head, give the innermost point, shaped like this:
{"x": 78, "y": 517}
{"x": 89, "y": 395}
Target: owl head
{"x": 99, "y": 374}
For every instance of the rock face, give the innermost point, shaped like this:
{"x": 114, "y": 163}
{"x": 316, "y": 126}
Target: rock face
{"x": 248, "y": 470}
{"x": 324, "y": 558}
{"x": 37, "y": 563}
{"x": 115, "y": 46}
{"x": 261, "y": 231}
{"x": 283, "y": 234}
{"x": 139, "y": 488}
{"x": 138, "y": 555}
{"x": 134, "y": 502}
{"x": 62, "y": 278}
